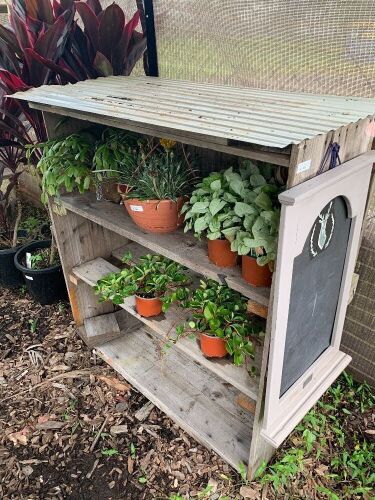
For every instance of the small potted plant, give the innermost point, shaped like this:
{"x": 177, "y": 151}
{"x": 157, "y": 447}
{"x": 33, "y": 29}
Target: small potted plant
{"x": 155, "y": 281}
{"x": 65, "y": 164}
{"x": 220, "y": 321}
{"x": 256, "y": 240}
{"x": 210, "y": 211}
{"x": 40, "y": 266}
{"x": 162, "y": 185}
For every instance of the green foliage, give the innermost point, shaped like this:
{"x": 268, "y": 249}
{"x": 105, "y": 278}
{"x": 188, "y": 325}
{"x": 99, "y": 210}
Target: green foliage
{"x": 162, "y": 176}
{"x": 110, "y": 452}
{"x": 65, "y": 164}
{"x": 221, "y": 312}
{"x": 326, "y": 434}
{"x": 152, "y": 276}
{"x": 116, "y": 156}
{"x": 239, "y": 206}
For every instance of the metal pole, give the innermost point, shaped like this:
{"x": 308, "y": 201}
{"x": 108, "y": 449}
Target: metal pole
{"x": 151, "y": 39}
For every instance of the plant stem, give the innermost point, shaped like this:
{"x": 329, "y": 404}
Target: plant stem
{"x": 17, "y": 223}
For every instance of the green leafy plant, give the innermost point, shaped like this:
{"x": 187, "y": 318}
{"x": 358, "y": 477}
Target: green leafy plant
{"x": 117, "y": 156}
{"x": 259, "y": 213}
{"x": 65, "y": 164}
{"x": 220, "y": 312}
{"x": 153, "y": 276}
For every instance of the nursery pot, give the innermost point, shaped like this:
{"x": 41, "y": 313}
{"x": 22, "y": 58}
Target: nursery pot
{"x": 155, "y": 216}
{"x": 148, "y": 307}
{"x": 46, "y": 286}
{"x": 10, "y": 276}
{"x": 220, "y": 254}
{"x": 254, "y": 274}
{"x": 213, "y": 347}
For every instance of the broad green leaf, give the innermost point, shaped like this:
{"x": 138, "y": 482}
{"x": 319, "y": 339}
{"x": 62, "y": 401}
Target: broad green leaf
{"x": 263, "y": 201}
{"x": 216, "y": 206}
{"x": 257, "y": 180}
{"x": 216, "y": 185}
{"x": 200, "y": 207}
{"x": 241, "y": 209}
{"x": 214, "y": 235}
{"x": 200, "y": 224}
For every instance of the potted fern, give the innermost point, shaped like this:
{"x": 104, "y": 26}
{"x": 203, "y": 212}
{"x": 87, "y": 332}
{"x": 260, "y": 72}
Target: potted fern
{"x": 155, "y": 281}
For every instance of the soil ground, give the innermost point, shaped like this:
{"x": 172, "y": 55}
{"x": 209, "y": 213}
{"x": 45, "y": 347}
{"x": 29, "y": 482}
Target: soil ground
{"x": 71, "y": 428}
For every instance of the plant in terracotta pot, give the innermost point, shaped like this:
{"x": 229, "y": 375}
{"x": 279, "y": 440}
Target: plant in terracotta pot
{"x": 219, "y": 319}
{"x": 256, "y": 239}
{"x": 210, "y": 212}
{"x": 155, "y": 281}
{"x": 162, "y": 186}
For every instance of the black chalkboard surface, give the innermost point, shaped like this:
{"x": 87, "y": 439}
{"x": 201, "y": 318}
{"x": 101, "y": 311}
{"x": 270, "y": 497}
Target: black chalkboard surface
{"x": 316, "y": 282}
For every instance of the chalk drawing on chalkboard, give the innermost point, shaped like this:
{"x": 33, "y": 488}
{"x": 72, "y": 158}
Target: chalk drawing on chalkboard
{"x": 320, "y": 241}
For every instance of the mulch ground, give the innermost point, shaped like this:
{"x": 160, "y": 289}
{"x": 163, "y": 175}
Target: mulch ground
{"x": 69, "y": 426}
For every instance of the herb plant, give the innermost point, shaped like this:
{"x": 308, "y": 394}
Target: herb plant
{"x": 65, "y": 164}
{"x": 221, "y": 312}
{"x": 153, "y": 276}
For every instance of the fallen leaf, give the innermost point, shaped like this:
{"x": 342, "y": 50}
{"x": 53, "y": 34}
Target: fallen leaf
{"x": 45, "y": 418}
{"x": 115, "y": 383}
{"x": 370, "y": 432}
{"x": 20, "y": 437}
{"x": 248, "y": 492}
{"x": 27, "y": 470}
{"x": 130, "y": 465}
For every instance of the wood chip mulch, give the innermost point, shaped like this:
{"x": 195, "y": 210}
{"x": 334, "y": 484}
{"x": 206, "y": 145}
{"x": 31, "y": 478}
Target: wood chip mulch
{"x": 71, "y": 427}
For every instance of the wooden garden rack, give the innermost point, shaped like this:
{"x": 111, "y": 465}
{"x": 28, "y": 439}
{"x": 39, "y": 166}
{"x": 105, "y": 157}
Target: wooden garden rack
{"x": 217, "y": 403}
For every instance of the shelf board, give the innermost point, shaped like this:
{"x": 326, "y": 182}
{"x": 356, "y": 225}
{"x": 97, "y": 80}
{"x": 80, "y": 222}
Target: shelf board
{"x": 194, "y": 398}
{"x": 177, "y": 246}
{"x": 164, "y": 325}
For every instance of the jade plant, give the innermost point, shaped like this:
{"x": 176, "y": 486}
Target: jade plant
{"x": 154, "y": 276}
{"x": 65, "y": 164}
{"x": 218, "y": 311}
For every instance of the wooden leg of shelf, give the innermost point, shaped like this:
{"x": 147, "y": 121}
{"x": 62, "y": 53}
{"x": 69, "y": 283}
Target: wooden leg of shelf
{"x": 80, "y": 240}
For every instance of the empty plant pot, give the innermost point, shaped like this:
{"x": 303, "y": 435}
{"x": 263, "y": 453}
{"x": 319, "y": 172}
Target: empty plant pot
{"x": 10, "y": 276}
{"x": 148, "y": 307}
{"x": 46, "y": 286}
{"x": 155, "y": 216}
{"x": 213, "y": 347}
{"x": 220, "y": 254}
{"x": 254, "y": 274}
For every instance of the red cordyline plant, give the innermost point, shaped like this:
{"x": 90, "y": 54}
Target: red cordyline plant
{"x": 44, "y": 44}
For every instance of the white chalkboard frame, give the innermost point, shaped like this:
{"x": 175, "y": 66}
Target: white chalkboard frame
{"x": 300, "y": 206}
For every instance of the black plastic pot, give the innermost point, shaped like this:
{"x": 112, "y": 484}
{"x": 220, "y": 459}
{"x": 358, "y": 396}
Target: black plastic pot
{"x": 10, "y": 276}
{"x": 46, "y": 286}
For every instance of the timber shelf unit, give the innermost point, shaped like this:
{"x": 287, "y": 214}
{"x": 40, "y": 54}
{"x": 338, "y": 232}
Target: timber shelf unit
{"x": 242, "y": 417}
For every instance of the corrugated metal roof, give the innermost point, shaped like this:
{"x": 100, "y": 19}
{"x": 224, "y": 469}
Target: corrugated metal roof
{"x": 267, "y": 118}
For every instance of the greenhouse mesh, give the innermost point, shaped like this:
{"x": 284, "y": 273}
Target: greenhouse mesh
{"x": 320, "y": 46}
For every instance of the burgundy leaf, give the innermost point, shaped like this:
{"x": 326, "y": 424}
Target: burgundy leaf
{"x": 68, "y": 76}
{"x": 67, "y": 4}
{"x": 8, "y": 59}
{"x": 137, "y": 49}
{"x": 58, "y": 9}
{"x": 95, "y": 6}
{"x": 20, "y": 31}
{"x": 102, "y": 65}
{"x": 40, "y": 9}
{"x": 111, "y": 26}
{"x": 90, "y": 23}
{"x": 121, "y": 50}
{"x": 10, "y": 39}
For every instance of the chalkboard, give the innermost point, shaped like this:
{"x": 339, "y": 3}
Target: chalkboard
{"x": 316, "y": 282}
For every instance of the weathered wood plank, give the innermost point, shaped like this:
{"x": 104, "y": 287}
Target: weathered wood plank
{"x": 180, "y": 247}
{"x": 101, "y": 329}
{"x": 164, "y": 326}
{"x": 193, "y": 397}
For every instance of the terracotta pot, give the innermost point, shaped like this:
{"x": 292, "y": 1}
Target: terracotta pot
{"x": 148, "y": 307}
{"x": 213, "y": 347}
{"x": 155, "y": 216}
{"x": 254, "y": 274}
{"x": 110, "y": 192}
{"x": 220, "y": 254}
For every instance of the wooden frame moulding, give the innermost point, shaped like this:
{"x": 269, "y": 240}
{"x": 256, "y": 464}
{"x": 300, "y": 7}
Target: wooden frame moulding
{"x": 81, "y": 240}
